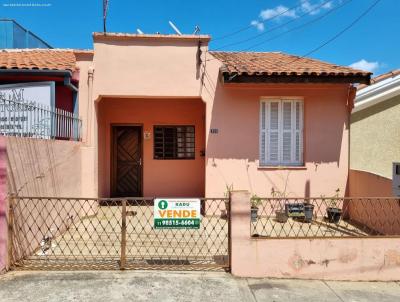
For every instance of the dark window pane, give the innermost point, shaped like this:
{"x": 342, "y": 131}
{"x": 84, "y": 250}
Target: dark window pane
{"x": 174, "y": 142}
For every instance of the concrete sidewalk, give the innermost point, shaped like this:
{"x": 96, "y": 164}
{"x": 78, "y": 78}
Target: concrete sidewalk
{"x": 180, "y": 286}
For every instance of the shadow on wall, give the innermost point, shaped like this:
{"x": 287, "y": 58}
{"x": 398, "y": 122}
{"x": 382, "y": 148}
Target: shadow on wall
{"x": 38, "y": 167}
{"x": 42, "y": 168}
{"x": 362, "y": 114}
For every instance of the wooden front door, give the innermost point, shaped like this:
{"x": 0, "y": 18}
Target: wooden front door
{"x": 126, "y": 159}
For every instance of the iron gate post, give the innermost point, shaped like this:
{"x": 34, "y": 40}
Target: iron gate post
{"x": 123, "y": 237}
{"x": 10, "y": 233}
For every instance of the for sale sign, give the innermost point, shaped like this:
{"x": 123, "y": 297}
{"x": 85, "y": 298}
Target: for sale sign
{"x": 179, "y": 213}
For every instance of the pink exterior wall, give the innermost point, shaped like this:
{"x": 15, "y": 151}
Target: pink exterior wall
{"x": 140, "y": 66}
{"x": 365, "y": 184}
{"x": 329, "y": 259}
{"x": 39, "y": 167}
{"x": 379, "y": 214}
{"x": 42, "y": 168}
{"x": 3, "y": 205}
{"x": 151, "y": 68}
{"x": 233, "y": 153}
{"x": 160, "y": 177}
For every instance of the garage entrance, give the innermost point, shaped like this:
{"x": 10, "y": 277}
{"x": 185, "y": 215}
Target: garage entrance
{"x": 90, "y": 234}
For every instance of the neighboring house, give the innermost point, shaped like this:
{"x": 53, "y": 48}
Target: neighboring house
{"x": 163, "y": 116}
{"x": 375, "y": 136}
{"x": 22, "y": 66}
{"x": 13, "y": 35}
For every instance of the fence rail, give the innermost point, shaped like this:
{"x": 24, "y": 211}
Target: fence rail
{"x": 31, "y": 119}
{"x": 325, "y": 217}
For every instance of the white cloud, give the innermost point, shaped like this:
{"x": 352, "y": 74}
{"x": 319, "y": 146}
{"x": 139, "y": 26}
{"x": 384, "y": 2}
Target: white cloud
{"x": 365, "y": 65}
{"x": 279, "y": 12}
{"x": 314, "y": 8}
{"x": 257, "y": 24}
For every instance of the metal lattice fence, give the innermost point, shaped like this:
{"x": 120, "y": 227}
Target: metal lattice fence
{"x": 325, "y": 217}
{"x": 30, "y": 119}
{"x": 69, "y": 233}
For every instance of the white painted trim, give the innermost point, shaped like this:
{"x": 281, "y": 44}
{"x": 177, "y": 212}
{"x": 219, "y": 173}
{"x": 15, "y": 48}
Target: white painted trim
{"x": 377, "y": 93}
{"x": 280, "y": 100}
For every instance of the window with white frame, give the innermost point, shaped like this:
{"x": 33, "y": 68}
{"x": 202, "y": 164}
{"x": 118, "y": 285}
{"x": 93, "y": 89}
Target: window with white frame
{"x": 281, "y": 132}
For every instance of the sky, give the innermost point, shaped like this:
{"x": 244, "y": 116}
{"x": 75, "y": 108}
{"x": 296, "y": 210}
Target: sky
{"x": 292, "y": 26}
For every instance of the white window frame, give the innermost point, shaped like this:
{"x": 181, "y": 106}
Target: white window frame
{"x": 265, "y": 105}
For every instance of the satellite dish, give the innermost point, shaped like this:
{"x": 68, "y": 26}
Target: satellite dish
{"x": 139, "y": 31}
{"x": 177, "y": 31}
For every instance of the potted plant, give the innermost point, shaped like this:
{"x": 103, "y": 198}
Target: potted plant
{"x": 227, "y": 193}
{"x": 333, "y": 211}
{"x": 255, "y": 202}
{"x": 280, "y": 214}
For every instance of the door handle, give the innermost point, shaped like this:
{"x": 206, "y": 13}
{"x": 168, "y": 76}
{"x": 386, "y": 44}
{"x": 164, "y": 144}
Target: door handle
{"x": 140, "y": 161}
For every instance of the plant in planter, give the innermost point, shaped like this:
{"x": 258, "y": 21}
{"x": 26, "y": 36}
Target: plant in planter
{"x": 255, "y": 202}
{"x": 281, "y": 213}
{"x": 227, "y": 193}
{"x": 333, "y": 211}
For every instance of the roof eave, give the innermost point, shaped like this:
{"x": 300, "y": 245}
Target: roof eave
{"x": 289, "y": 78}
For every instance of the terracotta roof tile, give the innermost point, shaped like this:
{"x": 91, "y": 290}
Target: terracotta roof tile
{"x": 280, "y": 64}
{"x": 381, "y": 77}
{"x": 45, "y": 59}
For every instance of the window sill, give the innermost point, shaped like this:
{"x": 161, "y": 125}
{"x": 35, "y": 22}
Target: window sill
{"x": 282, "y": 168}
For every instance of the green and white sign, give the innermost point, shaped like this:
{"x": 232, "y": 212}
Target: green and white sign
{"x": 178, "y": 213}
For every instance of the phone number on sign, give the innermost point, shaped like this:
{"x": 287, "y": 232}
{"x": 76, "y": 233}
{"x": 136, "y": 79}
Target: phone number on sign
{"x": 177, "y": 223}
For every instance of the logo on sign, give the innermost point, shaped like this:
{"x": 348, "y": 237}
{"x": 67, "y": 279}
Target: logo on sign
{"x": 163, "y": 204}
{"x": 177, "y": 213}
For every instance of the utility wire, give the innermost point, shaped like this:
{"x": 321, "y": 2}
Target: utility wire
{"x": 309, "y": 12}
{"x": 294, "y": 28}
{"x": 339, "y": 33}
{"x": 250, "y": 26}
{"x": 300, "y": 26}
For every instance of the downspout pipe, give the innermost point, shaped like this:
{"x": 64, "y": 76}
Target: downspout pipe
{"x": 66, "y": 74}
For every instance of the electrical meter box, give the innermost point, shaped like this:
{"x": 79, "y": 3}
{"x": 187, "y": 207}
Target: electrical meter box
{"x": 396, "y": 179}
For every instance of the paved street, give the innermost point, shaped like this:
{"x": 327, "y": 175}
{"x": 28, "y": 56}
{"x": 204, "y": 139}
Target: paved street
{"x": 178, "y": 286}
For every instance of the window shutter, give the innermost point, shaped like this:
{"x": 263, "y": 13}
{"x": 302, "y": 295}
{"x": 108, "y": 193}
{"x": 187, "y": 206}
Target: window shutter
{"x": 263, "y": 132}
{"x": 287, "y": 131}
{"x": 281, "y": 132}
{"x": 298, "y": 131}
{"x": 273, "y": 122}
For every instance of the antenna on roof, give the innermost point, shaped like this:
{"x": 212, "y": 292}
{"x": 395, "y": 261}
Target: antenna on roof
{"x": 105, "y": 9}
{"x": 175, "y": 28}
{"x": 139, "y": 31}
{"x": 196, "y": 30}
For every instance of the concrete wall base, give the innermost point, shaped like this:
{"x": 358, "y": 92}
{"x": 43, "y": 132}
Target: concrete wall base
{"x": 369, "y": 259}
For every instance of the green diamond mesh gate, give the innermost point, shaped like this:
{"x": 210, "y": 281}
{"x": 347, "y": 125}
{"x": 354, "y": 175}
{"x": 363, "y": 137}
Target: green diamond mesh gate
{"x": 87, "y": 234}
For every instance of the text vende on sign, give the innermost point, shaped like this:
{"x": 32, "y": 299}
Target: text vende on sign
{"x": 177, "y": 213}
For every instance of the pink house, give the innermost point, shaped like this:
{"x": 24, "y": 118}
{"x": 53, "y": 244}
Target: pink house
{"x": 164, "y": 116}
